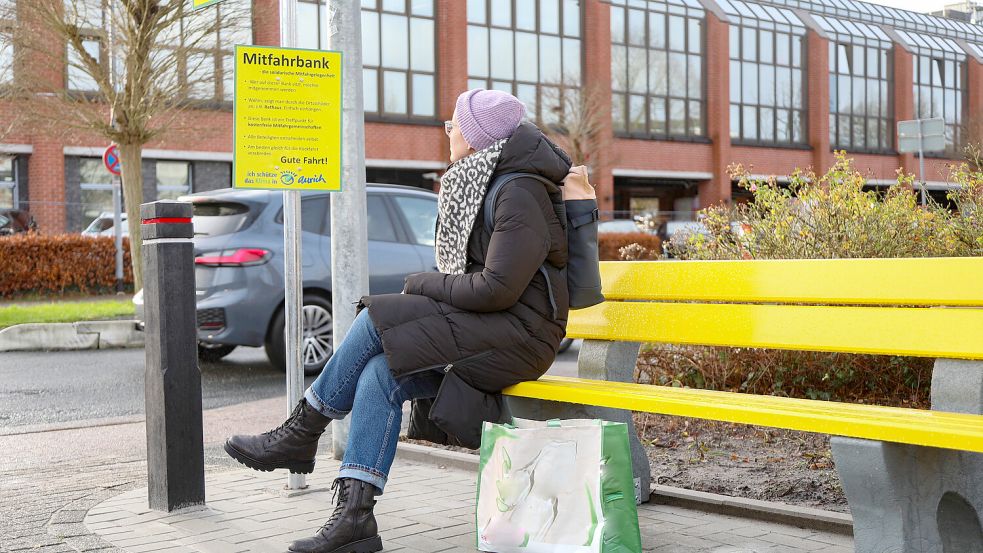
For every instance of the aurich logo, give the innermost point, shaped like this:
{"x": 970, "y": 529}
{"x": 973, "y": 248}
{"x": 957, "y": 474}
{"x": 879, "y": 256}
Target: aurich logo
{"x": 288, "y": 177}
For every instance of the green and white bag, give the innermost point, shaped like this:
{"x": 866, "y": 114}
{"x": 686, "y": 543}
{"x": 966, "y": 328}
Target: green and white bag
{"x": 556, "y": 487}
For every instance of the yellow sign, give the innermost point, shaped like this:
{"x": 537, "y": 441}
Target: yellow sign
{"x": 202, "y": 3}
{"x": 287, "y": 119}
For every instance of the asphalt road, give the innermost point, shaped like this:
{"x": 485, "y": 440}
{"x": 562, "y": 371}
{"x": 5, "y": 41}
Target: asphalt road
{"x": 58, "y": 387}
{"x": 40, "y": 388}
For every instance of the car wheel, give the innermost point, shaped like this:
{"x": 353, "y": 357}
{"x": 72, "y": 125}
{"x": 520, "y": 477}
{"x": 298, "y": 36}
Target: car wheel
{"x": 212, "y": 353}
{"x": 565, "y": 345}
{"x": 317, "y": 344}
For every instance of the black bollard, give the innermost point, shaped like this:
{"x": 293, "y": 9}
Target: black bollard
{"x": 175, "y": 454}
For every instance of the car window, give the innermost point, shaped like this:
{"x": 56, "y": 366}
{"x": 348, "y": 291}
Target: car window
{"x": 421, "y": 214}
{"x": 214, "y": 218}
{"x": 380, "y": 225}
{"x": 314, "y": 213}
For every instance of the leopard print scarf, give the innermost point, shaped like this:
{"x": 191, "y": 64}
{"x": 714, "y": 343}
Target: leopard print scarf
{"x": 462, "y": 193}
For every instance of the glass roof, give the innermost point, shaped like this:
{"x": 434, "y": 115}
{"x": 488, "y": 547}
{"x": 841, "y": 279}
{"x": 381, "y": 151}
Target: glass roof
{"x": 851, "y": 31}
{"x": 750, "y": 13}
{"x": 927, "y": 44}
{"x": 892, "y": 17}
{"x": 848, "y": 18}
{"x": 657, "y": 5}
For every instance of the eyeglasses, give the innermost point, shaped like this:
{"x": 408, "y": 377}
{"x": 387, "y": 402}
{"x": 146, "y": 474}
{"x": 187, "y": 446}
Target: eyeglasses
{"x": 448, "y": 126}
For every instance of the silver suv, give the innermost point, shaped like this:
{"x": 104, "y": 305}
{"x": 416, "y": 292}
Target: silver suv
{"x": 239, "y": 264}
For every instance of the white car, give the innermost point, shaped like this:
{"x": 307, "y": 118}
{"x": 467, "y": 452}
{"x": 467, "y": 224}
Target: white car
{"x": 103, "y": 225}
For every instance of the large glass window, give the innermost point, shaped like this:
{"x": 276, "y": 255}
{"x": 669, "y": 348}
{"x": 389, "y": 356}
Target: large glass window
{"x": 657, "y": 68}
{"x": 767, "y": 88}
{"x": 939, "y": 75}
{"x": 529, "y": 48}
{"x": 90, "y": 17}
{"x": 173, "y": 179}
{"x": 97, "y": 189}
{"x": 194, "y": 55}
{"x": 861, "y": 91}
{"x": 8, "y": 20}
{"x": 209, "y": 50}
{"x": 399, "y": 66}
{"x": 8, "y": 182}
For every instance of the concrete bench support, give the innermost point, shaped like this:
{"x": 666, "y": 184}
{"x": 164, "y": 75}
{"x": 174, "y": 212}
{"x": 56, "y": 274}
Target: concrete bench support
{"x": 598, "y": 360}
{"x": 913, "y": 499}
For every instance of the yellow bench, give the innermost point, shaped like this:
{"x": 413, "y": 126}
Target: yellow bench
{"x": 928, "y": 307}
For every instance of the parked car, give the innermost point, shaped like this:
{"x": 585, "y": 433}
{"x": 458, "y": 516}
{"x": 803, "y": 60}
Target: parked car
{"x": 669, "y": 229}
{"x": 238, "y": 247}
{"x": 14, "y": 221}
{"x": 103, "y": 225}
{"x": 619, "y": 225}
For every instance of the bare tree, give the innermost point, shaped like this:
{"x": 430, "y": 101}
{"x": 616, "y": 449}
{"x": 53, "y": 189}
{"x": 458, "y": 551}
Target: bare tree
{"x": 577, "y": 119}
{"x": 126, "y": 70}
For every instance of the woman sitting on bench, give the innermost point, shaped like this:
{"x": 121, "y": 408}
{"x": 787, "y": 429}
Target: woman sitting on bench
{"x": 493, "y": 316}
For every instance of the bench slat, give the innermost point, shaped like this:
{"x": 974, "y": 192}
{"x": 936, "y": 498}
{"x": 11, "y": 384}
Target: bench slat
{"x": 922, "y": 332}
{"x": 914, "y": 281}
{"x": 892, "y": 424}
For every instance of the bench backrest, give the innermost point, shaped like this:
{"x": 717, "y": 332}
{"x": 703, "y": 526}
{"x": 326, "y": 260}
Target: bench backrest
{"x": 931, "y": 307}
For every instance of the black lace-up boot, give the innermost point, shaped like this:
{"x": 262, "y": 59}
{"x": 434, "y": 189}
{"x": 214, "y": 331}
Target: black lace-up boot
{"x": 352, "y": 527}
{"x": 292, "y": 445}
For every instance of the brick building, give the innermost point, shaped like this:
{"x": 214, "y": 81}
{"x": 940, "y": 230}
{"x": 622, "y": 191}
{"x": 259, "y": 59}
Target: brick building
{"x": 691, "y": 85}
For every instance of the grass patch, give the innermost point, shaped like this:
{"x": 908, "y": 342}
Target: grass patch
{"x": 65, "y": 312}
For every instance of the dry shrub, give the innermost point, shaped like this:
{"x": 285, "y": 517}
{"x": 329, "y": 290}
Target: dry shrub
{"x": 642, "y": 246}
{"x": 46, "y": 264}
{"x": 880, "y": 379}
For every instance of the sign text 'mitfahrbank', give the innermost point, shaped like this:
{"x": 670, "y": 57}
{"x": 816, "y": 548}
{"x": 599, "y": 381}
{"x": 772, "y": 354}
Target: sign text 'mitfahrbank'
{"x": 283, "y": 60}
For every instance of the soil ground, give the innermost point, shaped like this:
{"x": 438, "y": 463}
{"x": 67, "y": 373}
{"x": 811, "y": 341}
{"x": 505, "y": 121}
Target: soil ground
{"x": 742, "y": 461}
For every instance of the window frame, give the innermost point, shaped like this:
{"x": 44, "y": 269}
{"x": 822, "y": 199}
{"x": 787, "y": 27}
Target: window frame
{"x": 7, "y": 26}
{"x": 379, "y": 114}
{"x": 688, "y": 14}
{"x": 191, "y": 173}
{"x": 219, "y": 54}
{"x": 94, "y": 186}
{"x": 835, "y": 114}
{"x": 792, "y": 32}
{"x": 953, "y": 147}
{"x": 535, "y": 112}
{"x": 13, "y": 184}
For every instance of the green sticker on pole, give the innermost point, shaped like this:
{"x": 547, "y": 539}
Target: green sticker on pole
{"x": 198, "y": 4}
{"x": 287, "y": 119}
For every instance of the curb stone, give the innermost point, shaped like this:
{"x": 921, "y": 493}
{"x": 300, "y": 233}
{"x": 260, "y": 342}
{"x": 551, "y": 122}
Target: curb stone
{"x": 768, "y": 511}
{"x": 71, "y": 336}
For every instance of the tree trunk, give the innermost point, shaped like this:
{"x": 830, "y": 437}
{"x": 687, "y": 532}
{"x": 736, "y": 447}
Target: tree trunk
{"x": 130, "y": 159}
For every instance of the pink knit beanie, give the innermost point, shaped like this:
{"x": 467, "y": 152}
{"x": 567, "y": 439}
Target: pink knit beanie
{"x": 486, "y": 116}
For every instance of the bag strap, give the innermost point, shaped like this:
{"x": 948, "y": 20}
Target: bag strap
{"x": 491, "y": 196}
{"x": 586, "y": 218}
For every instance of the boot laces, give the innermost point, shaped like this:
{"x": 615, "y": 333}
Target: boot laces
{"x": 341, "y": 495}
{"x": 297, "y": 414}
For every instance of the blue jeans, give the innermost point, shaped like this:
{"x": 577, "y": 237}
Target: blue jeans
{"x": 357, "y": 380}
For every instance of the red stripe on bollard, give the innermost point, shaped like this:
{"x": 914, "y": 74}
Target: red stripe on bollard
{"x": 166, "y": 220}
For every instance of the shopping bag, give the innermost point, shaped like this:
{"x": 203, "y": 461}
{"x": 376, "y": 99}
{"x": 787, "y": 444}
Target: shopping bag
{"x": 556, "y": 487}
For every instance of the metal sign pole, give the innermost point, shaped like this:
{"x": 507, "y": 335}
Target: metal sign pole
{"x": 921, "y": 160}
{"x": 349, "y": 235}
{"x": 293, "y": 305}
{"x": 118, "y": 229}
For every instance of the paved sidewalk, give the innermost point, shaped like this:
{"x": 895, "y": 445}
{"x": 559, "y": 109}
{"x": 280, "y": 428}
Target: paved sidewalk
{"x": 426, "y": 508}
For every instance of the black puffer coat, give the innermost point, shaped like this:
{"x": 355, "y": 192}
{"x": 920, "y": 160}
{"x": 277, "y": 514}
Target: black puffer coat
{"x": 496, "y": 324}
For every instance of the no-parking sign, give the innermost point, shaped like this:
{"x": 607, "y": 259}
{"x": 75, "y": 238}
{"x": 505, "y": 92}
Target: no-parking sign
{"x": 110, "y": 158}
